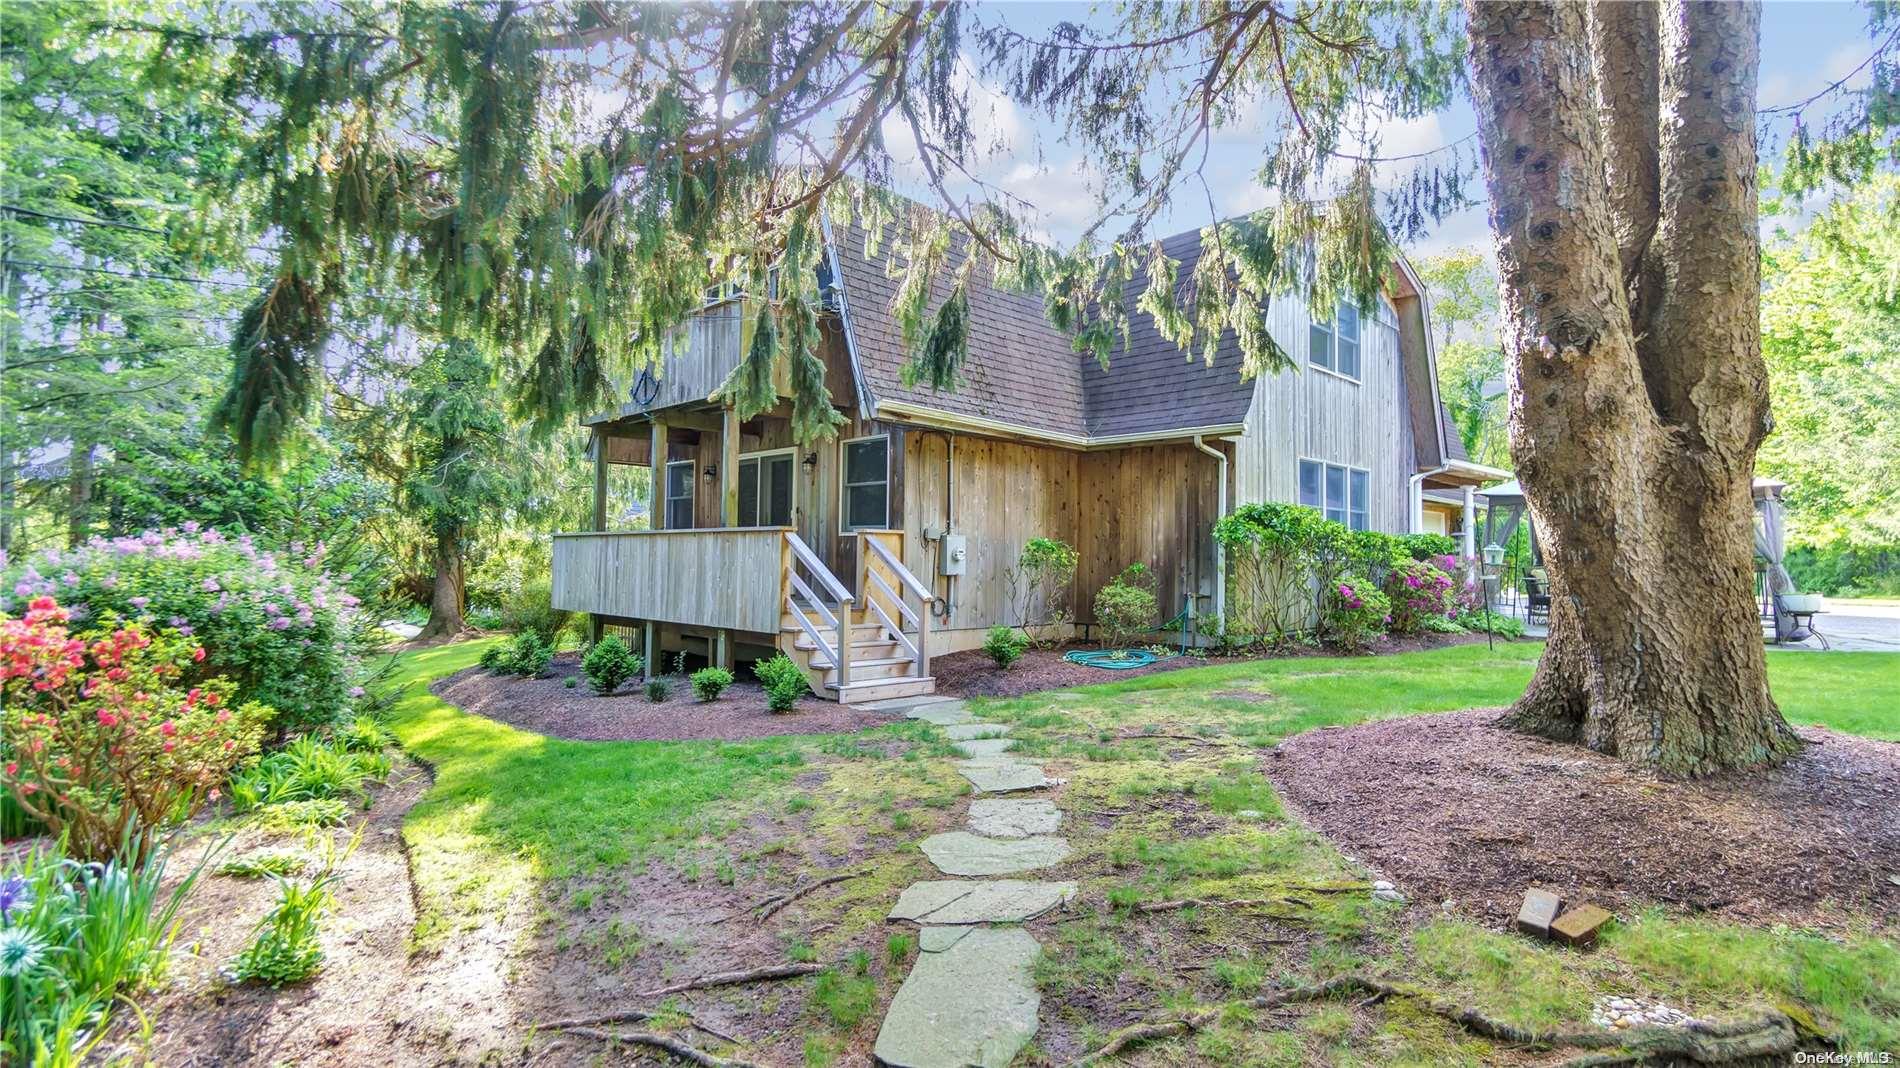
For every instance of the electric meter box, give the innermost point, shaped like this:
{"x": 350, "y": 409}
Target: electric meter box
{"x": 955, "y": 551}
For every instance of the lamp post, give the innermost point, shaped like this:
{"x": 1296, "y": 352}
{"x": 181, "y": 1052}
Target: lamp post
{"x": 1493, "y": 565}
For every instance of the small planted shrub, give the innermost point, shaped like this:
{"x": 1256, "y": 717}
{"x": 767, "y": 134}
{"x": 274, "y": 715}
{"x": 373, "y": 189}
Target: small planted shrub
{"x": 1428, "y": 546}
{"x": 309, "y": 770}
{"x": 105, "y": 743}
{"x": 1481, "y": 622}
{"x": 1005, "y": 645}
{"x": 1419, "y": 590}
{"x": 658, "y": 690}
{"x": 1356, "y": 612}
{"x": 784, "y": 682}
{"x": 1126, "y": 608}
{"x": 709, "y": 683}
{"x": 285, "y": 948}
{"x": 1044, "y": 579}
{"x": 608, "y": 664}
{"x": 569, "y": 682}
{"x": 364, "y": 735}
{"x": 527, "y": 655}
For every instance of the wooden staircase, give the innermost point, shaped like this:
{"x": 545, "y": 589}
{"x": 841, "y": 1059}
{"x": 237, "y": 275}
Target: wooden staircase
{"x": 884, "y": 637}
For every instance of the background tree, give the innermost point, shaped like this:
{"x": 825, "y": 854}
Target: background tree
{"x": 1464, "y": 291}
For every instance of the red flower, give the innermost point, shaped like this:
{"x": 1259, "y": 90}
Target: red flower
{"x": 198, "y": 654}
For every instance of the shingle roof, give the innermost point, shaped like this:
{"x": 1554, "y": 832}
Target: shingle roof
{"x": 1454, "y": 441}
{"x": 1023, "y": 371}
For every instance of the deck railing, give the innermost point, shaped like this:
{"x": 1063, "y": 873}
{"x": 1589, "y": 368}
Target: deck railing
{"x": 706, "y": 577}
{"x": 838, "y": 650}
{"x": 887, "y": 586}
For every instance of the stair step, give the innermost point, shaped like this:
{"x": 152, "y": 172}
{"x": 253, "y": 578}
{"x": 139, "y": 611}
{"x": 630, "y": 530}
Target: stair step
{"x": 866, "y": 690}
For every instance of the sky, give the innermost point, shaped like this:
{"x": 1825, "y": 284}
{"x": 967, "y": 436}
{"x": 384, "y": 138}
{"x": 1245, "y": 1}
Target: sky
{"x": 1805, "y": 46}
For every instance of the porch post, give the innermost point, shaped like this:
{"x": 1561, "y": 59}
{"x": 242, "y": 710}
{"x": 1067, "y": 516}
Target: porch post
{"x": 729, "y": 464}
{"x": 600, "y": 480}
{"x": 1470, "y": 523}
{"x": 656, "y": 493}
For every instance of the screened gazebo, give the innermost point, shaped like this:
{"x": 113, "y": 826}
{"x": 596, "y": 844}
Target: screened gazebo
{"x": 1505, "y": 509}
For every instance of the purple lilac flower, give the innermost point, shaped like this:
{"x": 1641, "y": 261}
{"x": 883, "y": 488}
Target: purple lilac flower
{"x": 211, "y": 585}
{"x": 15, "y": 896}
{"x": 141, "y": 602}
{"x": 356, "y": 691}
{"x": 23, "y": 589}
{"x": 280, "y": 623}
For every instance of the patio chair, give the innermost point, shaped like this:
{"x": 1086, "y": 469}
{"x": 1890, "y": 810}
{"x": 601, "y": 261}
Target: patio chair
{"x": 1536, "y": 599}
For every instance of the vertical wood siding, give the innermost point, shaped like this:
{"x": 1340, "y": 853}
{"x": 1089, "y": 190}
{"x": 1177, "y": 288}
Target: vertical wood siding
{"x": 707, "y": 578}
{"x": 1310, "y": 414}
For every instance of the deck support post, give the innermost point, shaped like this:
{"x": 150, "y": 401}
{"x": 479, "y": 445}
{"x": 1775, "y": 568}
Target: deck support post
{"x": 722, "y": 648}
{"x": 651, "y": 649}
{"x": 656, "y": 493}
{"x": 600, "y": 480}
{"x": 729, "y": 465}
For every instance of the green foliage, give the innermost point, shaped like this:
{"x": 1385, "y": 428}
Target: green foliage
{"x": 1418, "y": 590}
{"x": 74, "y": 938}
{"x": 364, "y": 734}
{"x": 1481, "y": 622}
{"x": 527, "y": 655}
{"x": 286, "y": 946}
{"x": 1125, "y": 608}
{"x": 309, "y": 770}
{"x": 284, "y": 817}
{"x": 608, "y": 664}
{"x": 658, "y": 690}
{"x": 784, "y": 682}
{"x": 1283, "y": 558}
{"x": 275, "y": 623}
{"x": 1004, "y": 645}
{"x": 1044, "y": 580}
{"x": 1845, "y": 570}
{"x": 844, "y": 998}
{"x": 1356, "y": 611}
{"x": 1426, "y": 546}
{"x": 262, "y": 864}
{"x": 709, "y": 683}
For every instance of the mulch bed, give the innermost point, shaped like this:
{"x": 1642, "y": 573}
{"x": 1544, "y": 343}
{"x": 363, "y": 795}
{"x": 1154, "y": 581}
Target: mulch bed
{"x": 1453, "y": 808}
{"x": 973, "y": 674}
{"x": 548, "y": 706}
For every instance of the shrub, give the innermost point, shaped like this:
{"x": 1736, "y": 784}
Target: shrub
{"x": 104, "y": 745}
{"x": 1270, "y": 559}
{"x": 74, "y": 937}
{"x": 608, "y": 664}
{"x": 1428, "y": 546}
{"x": 364, "y": 734}
{"x": 1005, "y": 645}
{"x": 1417, "y": 590}
{"x": 1044, "y": 579}
{"x": 1356, "y": 612}
{"x": 297, "y": 816}
{"x": 709, "y": 683}
{"x": 1126, "y": 609}
{"x": 1481, "y": 622}
{"x": 283, "y": 631}
{"x": 308, "y": 770}
{"x": 527, "y": 655}
{"x": 784, "y": 682}
{"x": 530, "y": 610}
{"x": 285, "y": 946}
{"x": 658, "y": 690}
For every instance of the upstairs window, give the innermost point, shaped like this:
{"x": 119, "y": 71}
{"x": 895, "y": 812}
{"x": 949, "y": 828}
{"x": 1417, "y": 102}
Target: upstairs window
{"x": 679, "y": 495}
{"x": 1335, "y": 343}
{"x": 1342, "y": 494}
{"x": 867, "y": 483}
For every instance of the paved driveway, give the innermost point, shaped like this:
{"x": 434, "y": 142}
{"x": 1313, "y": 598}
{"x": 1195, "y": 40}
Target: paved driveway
{"x": 1851, "y": 627}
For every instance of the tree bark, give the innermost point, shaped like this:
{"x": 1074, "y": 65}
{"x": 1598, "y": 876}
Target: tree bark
{"x": 445, "y": 598}
{"x": 1634, "y": 438}
{"x": 79, "y": 482}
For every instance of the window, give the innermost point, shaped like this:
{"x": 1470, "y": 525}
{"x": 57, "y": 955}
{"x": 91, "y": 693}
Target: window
{"x": 679, "y": 495}
{"x": 1343, "y": 494}
{"x": 765, "y": 489}
{"x": 1335, "y": 344}
{"x": 867, "y": 483}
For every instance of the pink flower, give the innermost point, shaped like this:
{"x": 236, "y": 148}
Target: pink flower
{"x": 168, "y": 728}
{"x": 107, "y": 719}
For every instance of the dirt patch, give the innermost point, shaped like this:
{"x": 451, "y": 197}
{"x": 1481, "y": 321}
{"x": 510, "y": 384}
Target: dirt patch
{"x": 1451, "y": 807}
{"x": 373, "y": 1003}
{"x": 549, "y": 706}
{"x": 973, "y": 674}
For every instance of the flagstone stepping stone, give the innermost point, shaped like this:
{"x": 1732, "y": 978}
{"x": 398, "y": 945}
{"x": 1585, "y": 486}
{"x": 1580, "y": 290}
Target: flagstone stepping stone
{"x": 943, "y": 713}
{"x": 999, "y": 776}
{"x": 990, "y": 901}
{"x": 1013, "y": 817}
{"x": 971, "y": 999}
{"x": 985, "y": 747}
{"x": 963, "y": 853}
{"x": 900, "y": 705}
{"x": 963, "y": 732}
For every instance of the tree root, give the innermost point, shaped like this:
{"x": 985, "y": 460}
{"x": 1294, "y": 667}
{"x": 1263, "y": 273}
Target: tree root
{"x": 636, "y": 1016}
{"x": 1771, "y": 1034}
{"x": 751, "y": 975}
{"x": 1252, "y": 902}
{"x": 776, "y": 902}
{"x": 683, "y": 1050}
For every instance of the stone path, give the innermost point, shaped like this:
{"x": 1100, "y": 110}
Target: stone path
{"x": 971, "y": 998}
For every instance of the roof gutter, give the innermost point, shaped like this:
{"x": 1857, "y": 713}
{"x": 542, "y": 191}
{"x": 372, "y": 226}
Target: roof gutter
{"x": 976, "y": 424}
{"x": 1220, "y": 551}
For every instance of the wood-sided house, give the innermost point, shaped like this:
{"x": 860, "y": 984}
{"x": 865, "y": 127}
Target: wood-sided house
{"x": 864, "y": 556}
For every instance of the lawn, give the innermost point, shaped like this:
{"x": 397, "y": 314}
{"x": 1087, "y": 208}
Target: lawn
{"x": 519, "y": 824}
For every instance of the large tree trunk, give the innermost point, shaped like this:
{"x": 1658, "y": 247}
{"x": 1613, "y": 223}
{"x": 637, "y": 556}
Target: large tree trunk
{"x": 79, "y": 482}
{"x": 1619, "y": 151}
{"x": 445, "y": 598}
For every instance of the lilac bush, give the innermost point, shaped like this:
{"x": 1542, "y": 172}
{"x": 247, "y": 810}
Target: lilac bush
{"x": 275, "y": 624}
{"x": 1419, "y": 589}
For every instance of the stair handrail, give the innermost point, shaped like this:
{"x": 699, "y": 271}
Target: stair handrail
{"x": 841, "y": 654}
{"x": 920, "y": 649}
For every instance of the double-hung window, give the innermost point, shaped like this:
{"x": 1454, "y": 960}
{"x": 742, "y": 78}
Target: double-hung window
{"x": 765, "y": 489}
{"x": 1342, "y": 494}
{"x": 1335, "y": 343}
{"x": 867, "y": 483}
{"x": 679, "y": 495}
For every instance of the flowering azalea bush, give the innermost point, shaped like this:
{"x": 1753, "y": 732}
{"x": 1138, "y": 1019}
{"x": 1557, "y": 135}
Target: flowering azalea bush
{"x": 103, "y": 741}
{"x": 1419, "y": 589}
{"x": 276, "y": 625}
{"x": 1356, "y": 612}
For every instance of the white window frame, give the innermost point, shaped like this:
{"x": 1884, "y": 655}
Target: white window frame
{"x": 844, "y": 483}
{"x": 667, "y": 498}
{"x": 1347, "y": 507}
{"x": 759, "y": 472}
{"x": 1331, "y": 326}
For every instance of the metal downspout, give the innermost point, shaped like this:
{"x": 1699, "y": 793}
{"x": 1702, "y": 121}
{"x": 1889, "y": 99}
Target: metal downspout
{"x": 1220, "y": 551}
